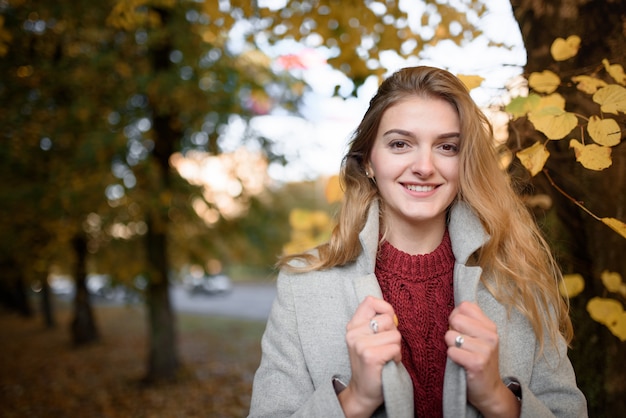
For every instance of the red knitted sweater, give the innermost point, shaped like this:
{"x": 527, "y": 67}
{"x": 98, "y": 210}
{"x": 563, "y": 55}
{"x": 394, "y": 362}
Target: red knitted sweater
{"x": 419, "y": 287}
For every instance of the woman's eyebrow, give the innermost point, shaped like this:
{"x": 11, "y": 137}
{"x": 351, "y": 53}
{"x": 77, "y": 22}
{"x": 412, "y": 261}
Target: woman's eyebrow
{"x": 399, "y": 132}
{"x": 449, "y": 135}
{"x": 410, "y": 134}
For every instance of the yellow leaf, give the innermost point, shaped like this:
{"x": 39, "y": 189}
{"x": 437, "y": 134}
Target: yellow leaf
{"x": 592, "y": 156}
{"x": 616, "y": 71}
{"x": 552, "y": 100}
{"x": 333, "y": 190}
{"x": 320, "y": 219}
{"x": 588, "y": 84}
{"x": 471, "y": 81}
{"x": 563, "y": 49}
{"x": 571, "y": 285}
{"x": 616, "y": 225}
{"x": 604, "y": 310}
{"x": 612, "y": 280}
{"x": 618, "y": 327}
{"x": 604, "y": 131}
{"x": 533, "y": 157}
{"x": 300, "y": 219}
{"x": 544, "y": 82}
{"x": 612, "y": 98}
{"x": 555, "y": 123}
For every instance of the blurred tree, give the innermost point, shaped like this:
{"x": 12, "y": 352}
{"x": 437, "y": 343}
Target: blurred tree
{"x": 98, "y": 98}
{"x": 584, "y": 245}
{"x": 50, "y": 131}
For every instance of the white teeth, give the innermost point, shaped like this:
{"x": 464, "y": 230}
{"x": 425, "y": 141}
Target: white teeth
{"x": 416, "y": 188}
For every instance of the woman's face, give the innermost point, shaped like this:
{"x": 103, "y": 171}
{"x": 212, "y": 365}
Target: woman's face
{"x": 415, "y": 162}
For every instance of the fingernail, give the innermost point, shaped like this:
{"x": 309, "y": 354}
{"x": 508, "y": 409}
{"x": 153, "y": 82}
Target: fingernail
{"x": 395, "y": 319}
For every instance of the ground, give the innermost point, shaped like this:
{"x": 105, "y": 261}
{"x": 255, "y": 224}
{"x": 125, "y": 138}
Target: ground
{"x": 43, "y": 376}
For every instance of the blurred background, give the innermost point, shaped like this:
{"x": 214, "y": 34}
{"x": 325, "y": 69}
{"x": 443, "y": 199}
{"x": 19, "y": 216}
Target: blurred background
{"x": 157, "y": 156}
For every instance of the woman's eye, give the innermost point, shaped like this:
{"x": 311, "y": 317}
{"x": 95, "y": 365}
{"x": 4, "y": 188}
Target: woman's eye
{"x": 398, "y": 144}
{"x": 450, "y": 147}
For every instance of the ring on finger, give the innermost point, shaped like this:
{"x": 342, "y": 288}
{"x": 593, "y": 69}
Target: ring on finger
{"x": 374, "y": 325}
{"x": 458, "y": 341}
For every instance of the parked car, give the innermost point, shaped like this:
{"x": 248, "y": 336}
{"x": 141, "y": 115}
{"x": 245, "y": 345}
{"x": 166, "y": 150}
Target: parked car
{"x": 102, "y": 286}
{"x": 208, "y": 284}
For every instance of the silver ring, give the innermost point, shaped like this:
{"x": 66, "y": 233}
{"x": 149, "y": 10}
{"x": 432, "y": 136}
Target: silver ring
{"x": 374, "y": 326}
{"x": 458, "y": 341}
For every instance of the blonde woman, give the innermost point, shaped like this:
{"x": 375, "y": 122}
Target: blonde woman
{"x": 436, "y": 294}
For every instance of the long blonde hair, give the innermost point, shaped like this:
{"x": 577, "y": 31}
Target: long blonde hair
{"x": 520, "y": 270}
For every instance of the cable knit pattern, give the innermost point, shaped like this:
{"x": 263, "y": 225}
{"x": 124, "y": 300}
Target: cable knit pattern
{"x": 419, "y": 287}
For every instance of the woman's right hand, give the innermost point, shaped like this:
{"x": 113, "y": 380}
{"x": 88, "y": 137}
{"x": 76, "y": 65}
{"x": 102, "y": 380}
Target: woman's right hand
{"x": 369, "y": 352}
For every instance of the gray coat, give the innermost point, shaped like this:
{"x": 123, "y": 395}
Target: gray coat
{"x": 304, "y": 346}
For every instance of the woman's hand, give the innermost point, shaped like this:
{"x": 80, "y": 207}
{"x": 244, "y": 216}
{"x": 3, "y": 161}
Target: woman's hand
{"x": 369, "y": 351}
{"x": 473, "y": 343}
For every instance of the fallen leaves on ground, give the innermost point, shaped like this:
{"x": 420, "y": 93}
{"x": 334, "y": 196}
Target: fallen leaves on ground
{"x": 43, "y": 376}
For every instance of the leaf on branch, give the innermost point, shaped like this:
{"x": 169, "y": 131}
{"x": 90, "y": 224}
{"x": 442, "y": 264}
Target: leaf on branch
{"x": 612, "y": 280}
{"x": 592, "y": 156}
{"x": 572, "y": 285}
{"x": 604, "y": 131}
{"x": 471, "y": 81}
{"x": 544, "y": 82}
{"x": 604, "y": 310}
{"x": 520, "y": 106}
{"x": 616, "y": 71}
{"x": 534, "y": 157}
{"x": 552, "y": 100}
{"x": 563, "y": 49}
{"x": 588, "y": 84}
{"x": 553, "y": 122}
{"x": 616, "y": 225}
{"x": 612, "y": 99}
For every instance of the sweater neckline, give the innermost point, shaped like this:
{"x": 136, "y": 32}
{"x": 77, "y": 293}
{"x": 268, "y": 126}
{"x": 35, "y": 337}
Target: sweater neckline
{"x": 419, "y": 267}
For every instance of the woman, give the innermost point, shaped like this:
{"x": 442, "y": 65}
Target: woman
{"x": 435, "y": 295}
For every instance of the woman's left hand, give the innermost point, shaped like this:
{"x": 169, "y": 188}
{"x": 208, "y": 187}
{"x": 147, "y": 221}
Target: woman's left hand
{"x": 473, "y": 344}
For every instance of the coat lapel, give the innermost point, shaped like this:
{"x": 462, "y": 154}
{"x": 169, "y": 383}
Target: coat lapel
{"x": 397, "y": 386}
{"x": 467, "y": 236}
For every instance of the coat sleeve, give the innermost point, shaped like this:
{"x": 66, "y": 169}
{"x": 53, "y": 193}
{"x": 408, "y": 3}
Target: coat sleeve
{"x": 552, "y": 390}
{"x": 282, "y": 385}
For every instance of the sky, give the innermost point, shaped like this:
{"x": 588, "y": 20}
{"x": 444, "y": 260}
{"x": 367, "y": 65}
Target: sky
{"x": 316, "y": 143}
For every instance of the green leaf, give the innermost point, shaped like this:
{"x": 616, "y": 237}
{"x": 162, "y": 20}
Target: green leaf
{"x": 521, "y": 106}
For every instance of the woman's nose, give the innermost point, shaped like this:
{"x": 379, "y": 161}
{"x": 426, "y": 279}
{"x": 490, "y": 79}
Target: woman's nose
{"x": 423, "y": 163}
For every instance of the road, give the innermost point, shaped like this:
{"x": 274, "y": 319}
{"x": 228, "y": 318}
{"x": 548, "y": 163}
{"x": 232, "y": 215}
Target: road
{"x": 247, "y": 301}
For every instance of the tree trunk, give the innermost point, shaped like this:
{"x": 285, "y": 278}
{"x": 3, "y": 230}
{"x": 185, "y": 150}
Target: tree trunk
{"x": 582, "y": 244}
{"x": 46, "y": 304}
{"x": 13, "y": 289}
{"x": 83, "y": 328}
{"x": 163, "y": 357}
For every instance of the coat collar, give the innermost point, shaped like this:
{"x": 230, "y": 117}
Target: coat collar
{"x": 467, "y": 236}
{"x": 466, "y": 233}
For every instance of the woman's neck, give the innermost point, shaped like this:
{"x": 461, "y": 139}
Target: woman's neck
{"x": 416, "y": 239}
